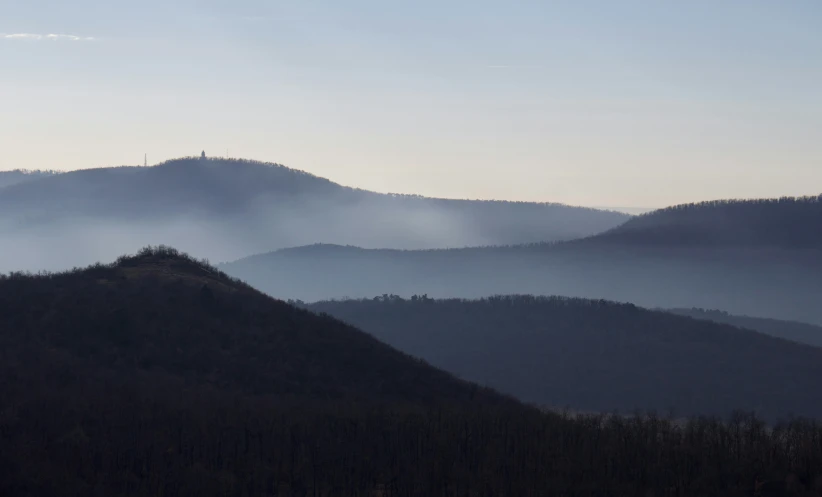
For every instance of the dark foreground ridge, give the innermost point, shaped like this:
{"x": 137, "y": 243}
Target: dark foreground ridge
{"x": 158, "y": 375}
{"x": 165, "y": 314}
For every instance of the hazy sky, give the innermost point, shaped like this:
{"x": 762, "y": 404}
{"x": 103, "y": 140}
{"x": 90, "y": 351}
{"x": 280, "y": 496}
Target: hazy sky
{"x": 606, "y": 103}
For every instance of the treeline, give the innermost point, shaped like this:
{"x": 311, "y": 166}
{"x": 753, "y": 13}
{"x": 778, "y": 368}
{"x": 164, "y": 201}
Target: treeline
{"x": 166, "y": 439}
{"x": 786, "y": 222}
{"x": 193, "y": 159}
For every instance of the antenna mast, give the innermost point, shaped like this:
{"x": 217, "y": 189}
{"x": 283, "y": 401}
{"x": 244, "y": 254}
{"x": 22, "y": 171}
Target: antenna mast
{"x": 145, "y": 160}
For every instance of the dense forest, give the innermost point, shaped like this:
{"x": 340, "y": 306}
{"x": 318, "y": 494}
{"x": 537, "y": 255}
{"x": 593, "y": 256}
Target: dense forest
{"x": 229, "y": 208}
{"x": 787, "y": 222}
{"x": 790, "y": 330}
{"x": 162, "y": 313}
{"x": 597, "y": 355}
{"x": 159, "y": 375}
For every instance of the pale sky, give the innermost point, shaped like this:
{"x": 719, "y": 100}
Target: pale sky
{"x": 599, "y": 102}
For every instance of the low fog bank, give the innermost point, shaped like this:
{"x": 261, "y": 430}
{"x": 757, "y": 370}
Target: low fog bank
{"x": 224, "y": 210}
{"x": 761, "y": 283}
{"x": 49, "y": 243}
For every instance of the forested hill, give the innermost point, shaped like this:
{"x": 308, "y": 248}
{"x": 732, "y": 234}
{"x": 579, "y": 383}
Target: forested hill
{"x": 597, "y": 355}
{"x": 225, "y": 209}
{"x": 160, "y": 376}
{"x": 789, "y": 330}
{"x": 162, "y": 316}
{"x": 8, "y": 178}
{"x": 788, "y": 222}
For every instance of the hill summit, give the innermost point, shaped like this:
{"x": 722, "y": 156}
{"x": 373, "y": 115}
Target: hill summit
{"x": 225, "y": 209}
{"x": 164, "y": 313}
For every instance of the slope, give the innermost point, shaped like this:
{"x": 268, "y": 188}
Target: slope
{"x": 597, "y": 355}
{"x": 225, "y": 209}
{"x": 787, "y": 222}
{"x": 765, "y": 273}
{"x": 158, "y": 375}
{"x": 789, "y": 330}
{"x": 164, "y": 313}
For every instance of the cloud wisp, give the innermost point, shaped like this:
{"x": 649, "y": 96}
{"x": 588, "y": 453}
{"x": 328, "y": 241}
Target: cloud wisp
{"x": 44, "y": 37}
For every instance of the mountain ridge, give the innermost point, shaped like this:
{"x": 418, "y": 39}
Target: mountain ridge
{"x": 164, "y": 313}
{"x": 226, "y": 209}
{"x": 743, "y": 272}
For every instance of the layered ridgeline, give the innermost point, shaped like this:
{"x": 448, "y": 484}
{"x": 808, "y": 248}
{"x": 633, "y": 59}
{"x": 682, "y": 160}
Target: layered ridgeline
{"x": 158, "y": 375}
{"x": 789, "y": 330}
{"x": 597, "y": 355}
{"x": 225, "y": 209}
{"x": 786, "y": 223}
{"x": 9, "y": 178}
{"x": 744, "y": 271}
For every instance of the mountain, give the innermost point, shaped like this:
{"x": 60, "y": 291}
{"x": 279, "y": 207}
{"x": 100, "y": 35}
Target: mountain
{"x": 162, "y": 312}
{"x": 597, "y": 355}
{"x": 225, "y": 209}
{"x": 751, "y": 275}
{"x": 158, "y": 375}
{"x": 789, "y": 330}
{"x": 9, "y": 178}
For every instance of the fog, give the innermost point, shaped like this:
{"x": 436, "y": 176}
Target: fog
{"x": 769, "y": 283}
{"x": 225, "y": 210}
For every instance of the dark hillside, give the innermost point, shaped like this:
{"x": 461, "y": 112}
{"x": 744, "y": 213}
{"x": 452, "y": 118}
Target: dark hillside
{"x": 789, "y": 330}
{"x": 788, "y": 222}
{"x": 160, "y": 376}
{"x": 596, "y": 355}
{"x": 160, "y": 312}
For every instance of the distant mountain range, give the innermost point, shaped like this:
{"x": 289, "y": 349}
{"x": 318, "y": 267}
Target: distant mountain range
{"x": 597, "y": 355}
{"x": 226, "y": 209}
{"x": 655, "y": 260}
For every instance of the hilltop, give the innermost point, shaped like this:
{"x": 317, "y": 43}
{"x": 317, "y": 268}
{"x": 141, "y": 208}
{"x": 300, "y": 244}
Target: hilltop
{"x": 164, "y": 313}
{"x": 787, "y": 222}
{"x": 226, "y": 208}
{"x": 597, "y": 355}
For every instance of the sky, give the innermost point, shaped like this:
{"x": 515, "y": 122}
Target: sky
{"x": 636, "y": 103}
